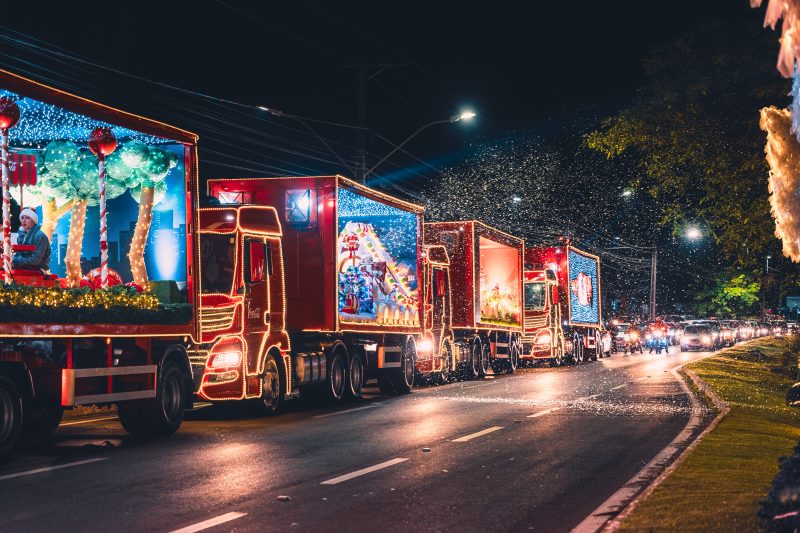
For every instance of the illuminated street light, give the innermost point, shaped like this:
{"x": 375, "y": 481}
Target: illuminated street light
{"x": 693, "y": 233}
{"x": 516, "y": 199}
{"x": 627, "y": 192}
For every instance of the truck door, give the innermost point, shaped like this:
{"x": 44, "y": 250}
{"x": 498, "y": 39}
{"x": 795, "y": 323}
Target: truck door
{"x": 440, "y": 303}
{"x": 257, "y": 266}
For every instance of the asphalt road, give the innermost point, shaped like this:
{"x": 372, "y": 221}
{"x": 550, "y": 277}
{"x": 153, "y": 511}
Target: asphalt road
{"x": 536, "y": 451}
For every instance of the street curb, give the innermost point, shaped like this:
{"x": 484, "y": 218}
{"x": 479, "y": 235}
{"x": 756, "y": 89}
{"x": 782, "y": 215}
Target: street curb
{"x": 722, "y": 410}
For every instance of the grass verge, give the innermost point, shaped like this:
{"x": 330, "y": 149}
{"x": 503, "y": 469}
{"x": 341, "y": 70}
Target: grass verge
{"x": 720, "y": 484}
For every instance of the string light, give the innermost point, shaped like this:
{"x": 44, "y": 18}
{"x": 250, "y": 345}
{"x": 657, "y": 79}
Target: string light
{"x": 117, "y": 296}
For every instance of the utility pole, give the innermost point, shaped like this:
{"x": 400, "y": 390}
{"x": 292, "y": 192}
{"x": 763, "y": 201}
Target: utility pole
{"x": 653, "y": 272}
{"x": 361, "y": 110}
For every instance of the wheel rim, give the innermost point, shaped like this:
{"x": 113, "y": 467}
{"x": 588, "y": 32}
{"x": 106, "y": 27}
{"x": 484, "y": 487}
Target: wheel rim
{"x": 408, "y": 364}
{"x": 271, "y": 392}
{"x": 476, "y": 359}
{"x": 356, "y": 374}
{"x": 485, "y": 360}
{"x": 514, "y": 356}
{"x": 171, "y": 400}
{"x": 444, "y": 375}
{"x": 337, "y": 377}
{"x": 6, "y": 415}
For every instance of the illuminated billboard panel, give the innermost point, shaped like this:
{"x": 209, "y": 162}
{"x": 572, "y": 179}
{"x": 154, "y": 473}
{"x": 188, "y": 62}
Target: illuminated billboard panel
{"x": 584, "y": 288}
{"x": 377, "y": 262}
{"x": 499, "y": 276}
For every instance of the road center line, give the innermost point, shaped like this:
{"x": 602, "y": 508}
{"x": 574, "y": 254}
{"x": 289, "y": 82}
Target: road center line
{"x": 211, "y": 522}
{"x": 363, "y": 471}
{"x": 592, "y": 397}
{"x": 49, "y": 468}
{"x": 619, "y": 386}
{"x": 542, "y": 413}
{"x": 471, "y": 436}
{"x": 87, "y": 421}
{"x": 326, "y": 415}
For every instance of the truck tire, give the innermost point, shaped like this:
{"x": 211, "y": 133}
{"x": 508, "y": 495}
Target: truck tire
{"x": 10, "y": 415}
{"x": 132, "y": 417}
{"x": 385, "y": 384}
{"x": 558, "y": 357}
{"x": 273, "y": 387}
{"x": 513, "y": 354}
{"x": 447, "y": 362}
{"x": 336, "y": 382}
{"x": 42, "y": 420}
{"x": 166, "y": 412}
{"x": 486, "y": 360}
{"x": 577, "y": 350}
{"x": 355, "y": 376}
{"x": 403, "y": 377}
{"x": 474, "y": 367}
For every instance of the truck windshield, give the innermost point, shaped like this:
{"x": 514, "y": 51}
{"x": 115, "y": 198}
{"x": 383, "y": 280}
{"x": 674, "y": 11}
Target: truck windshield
{"x": 534, "y": 296}
{"x": 217, "y": 262}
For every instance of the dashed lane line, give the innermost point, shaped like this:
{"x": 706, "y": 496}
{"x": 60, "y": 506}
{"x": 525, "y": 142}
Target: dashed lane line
{"x": 326, "y": 415}
{"x": 211, "y": 522}
{"x": 51, "y": 468}
{"x": 619, "y": 386}
{"x": 363, "y": 471}
{"x": 477, "y": 434}
{"x": 545, "y": 412}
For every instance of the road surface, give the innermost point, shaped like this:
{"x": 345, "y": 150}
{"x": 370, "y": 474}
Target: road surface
{"x": 539, "y": 450}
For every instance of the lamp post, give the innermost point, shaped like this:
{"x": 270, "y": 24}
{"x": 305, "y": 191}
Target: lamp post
{"x": 466, "y": 115}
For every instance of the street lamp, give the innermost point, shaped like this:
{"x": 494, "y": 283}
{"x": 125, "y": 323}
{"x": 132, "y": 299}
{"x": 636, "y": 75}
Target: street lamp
{"x": 693, "y": 233}
{"x": 626, "y": 193}
{"x": 464, "y": 115}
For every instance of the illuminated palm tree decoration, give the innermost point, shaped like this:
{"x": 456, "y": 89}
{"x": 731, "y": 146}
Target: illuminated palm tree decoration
{"x": 149, "y": 190}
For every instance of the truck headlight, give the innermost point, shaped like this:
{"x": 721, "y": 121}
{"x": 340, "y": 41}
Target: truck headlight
{"x": 544, "y": 338}
{"x": 226, "y": 360}
{"x": 425, "y": 346}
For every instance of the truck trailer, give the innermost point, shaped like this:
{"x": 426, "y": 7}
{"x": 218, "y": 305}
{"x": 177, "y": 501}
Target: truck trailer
{"x": 356, "y": 304}
{"x": 562, "y": 305}
{"x": 486, "y": 286}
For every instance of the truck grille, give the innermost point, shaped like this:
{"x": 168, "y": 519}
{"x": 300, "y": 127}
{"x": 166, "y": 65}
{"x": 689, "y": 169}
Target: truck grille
{"x": 217, "y": 318}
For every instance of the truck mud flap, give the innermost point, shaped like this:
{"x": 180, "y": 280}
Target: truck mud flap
{"x": 70, "y": 375}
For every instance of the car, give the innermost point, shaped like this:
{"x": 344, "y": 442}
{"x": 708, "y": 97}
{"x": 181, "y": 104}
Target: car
{"x": 727, "y": 333}
{"x": 674, "y": 332}
{"x": 697, "y": 337}
{"x": 627, "y": 338}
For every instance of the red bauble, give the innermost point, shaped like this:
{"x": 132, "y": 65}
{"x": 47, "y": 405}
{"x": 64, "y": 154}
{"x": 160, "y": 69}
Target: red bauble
{"x": 9, "y": 113}
{"x": 102, "y": 141}
{"x": 135, "y": 286}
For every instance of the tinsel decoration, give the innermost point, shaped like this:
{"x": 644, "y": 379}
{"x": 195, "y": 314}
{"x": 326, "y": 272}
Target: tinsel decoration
{"x": 783, "y": 157}
{"x": 789, "y": 11}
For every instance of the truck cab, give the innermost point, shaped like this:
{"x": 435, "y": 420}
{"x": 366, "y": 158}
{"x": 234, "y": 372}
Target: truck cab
{"x": 543, "y": 333}
{"x": 436, "y": 350}
{"x": 243, "y": 351}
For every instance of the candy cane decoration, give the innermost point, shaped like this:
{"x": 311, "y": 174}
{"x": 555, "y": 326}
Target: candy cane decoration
{"x": 6, "y": 208}
{"x": 102, "y": 142}
{"x": 9, "y": 116}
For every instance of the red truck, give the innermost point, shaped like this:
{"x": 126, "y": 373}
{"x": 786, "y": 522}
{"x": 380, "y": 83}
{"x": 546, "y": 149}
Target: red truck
{"x": 357, "y": 277}
{"x": 486, "y": 276}
{"x": 562, "y": 305}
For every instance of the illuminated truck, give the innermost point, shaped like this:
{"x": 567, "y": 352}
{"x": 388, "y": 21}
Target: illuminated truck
{"x": 354, "y": 267}
{"x": 562, "y": 305}
{"x": 486, "y": 292}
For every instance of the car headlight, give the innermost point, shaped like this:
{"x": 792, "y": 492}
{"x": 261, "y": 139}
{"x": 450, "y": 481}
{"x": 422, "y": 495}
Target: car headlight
{"x": 706, "y": 339}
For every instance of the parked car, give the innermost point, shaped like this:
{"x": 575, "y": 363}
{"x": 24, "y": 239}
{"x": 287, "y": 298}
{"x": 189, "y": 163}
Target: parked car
{"x": 697, "y": 337}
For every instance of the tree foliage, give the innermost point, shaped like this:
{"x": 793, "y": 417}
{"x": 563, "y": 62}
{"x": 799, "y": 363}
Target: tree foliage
{"x": 693, "y": 131}
{"x": 732, "y": 296}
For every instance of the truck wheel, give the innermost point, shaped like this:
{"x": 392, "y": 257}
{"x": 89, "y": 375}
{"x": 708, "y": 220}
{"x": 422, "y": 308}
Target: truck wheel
{"x": 474, "y": 369}
{"x": 403, "y": 377}
{"x": 43, "y": 420}
{"x": 558, "y": 359}
{"x": 513, "y": 356}
{"x": 337, "y": 376}
{"x": 166, "y": 413}
{"x": 447, "y": 361}
{"x": 486, "y": 360}
{"x": 273, "y": 389}
{"x": 355, "y": 376}
{"x": 10, "y": 415}
{"x": 132, "y": 417}
{"x": 385, "y": 384}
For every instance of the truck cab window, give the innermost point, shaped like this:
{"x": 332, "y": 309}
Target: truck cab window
{"x": 534, "y": 296}
{"x": 217, "y": 253}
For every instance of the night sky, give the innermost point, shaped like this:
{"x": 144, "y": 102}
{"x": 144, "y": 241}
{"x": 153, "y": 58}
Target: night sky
{"x": 541, "y": 67}
{"x": 550, "y": 70}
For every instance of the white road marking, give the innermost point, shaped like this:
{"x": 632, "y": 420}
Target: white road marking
{"x": 211, "y": 522}
{"x": 346, "y": 411}
{"x": 545, "y": 412}
{"x": 50, "y": 468}
{"x": 363, "y": 471}
{"x": 477, "y": 434}
{"x": 87, "y": 421}
{"x": 592, "y": 397}
{"x": 619, "y": 386}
